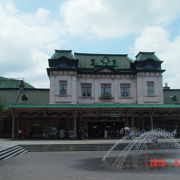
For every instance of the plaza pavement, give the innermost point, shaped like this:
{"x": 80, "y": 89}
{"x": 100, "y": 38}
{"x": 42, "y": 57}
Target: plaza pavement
{"x": 74, "y": 165}
{"x": 80, "y": 165}
{"x": 6, "y": 143}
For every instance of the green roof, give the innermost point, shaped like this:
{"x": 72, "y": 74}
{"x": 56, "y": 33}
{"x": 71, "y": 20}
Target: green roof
{"x": 122, "y": 61}
{"x": 96, "y": 63}
{"x": 61, "y": 53}
{"x": 96, "y": 106}
{"x": 143, "y": 56}
{"x": 171, "y": 96}
{"x": 12, "y": 83}
{"x": 34, "y": 96}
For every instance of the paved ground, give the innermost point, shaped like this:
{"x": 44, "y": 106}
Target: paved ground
{"x": 72, "y": 166}
{"x": 108, "y": 141}
{"x": 4, "y": 144}
{"x": 102, "y": 141}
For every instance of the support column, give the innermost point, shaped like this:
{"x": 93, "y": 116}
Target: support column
{"x": 75, "y": 124}
{"x": 13, "y": 123}
{"x": 132, "y": 121}
{"x": 17, "y": 127}
{"x": 151, "y": 118}
{"x": 143, "y": 124}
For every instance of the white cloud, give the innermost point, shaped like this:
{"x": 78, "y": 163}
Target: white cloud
{"x": 28, "y": 39}
{"x": 116, "y": 18}
{"x": 25, "y": 41}
{"x": 157, "y": 39}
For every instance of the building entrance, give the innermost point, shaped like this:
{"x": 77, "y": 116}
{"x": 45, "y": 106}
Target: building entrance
{"x": 104, "y": 129}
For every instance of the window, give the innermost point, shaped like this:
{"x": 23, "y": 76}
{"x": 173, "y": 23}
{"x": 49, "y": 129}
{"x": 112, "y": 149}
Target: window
{"x": 63, "y": 87}
{"x": 106, "y": 90}
{"x": 86, "y": 90}
{"x": 125, "y": 90}
{"x": 148, "y": 66}
{"x": 63, "y": 65}
{"x": 150, "y": 88}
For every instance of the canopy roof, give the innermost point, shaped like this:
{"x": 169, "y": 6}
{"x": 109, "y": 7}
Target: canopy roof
{"x": 96, "y": 106}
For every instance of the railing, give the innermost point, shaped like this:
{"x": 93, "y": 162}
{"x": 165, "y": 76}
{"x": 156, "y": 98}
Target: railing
{"x": 106, "y": 96}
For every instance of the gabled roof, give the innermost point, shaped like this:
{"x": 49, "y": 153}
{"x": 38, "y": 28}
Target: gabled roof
{"x": 171, "y": 96}
{"x": 106, "y": 69}
{"x": 34, "y": 96}
{"x": 13, "y": 83}
{"x": 143, "y": 56}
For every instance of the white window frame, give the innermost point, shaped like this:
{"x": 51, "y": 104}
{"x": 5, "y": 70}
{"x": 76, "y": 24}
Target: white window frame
{"x": 62, "y": 87}
{"x": 150, "y": 88}
{"x": 106, "y": 90}
{"x": 86, "y": 89}
{"x": 125, "y": 89}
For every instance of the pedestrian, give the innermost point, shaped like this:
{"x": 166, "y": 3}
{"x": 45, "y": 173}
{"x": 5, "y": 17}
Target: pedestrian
{"x": 20, "y": 134}
{"x": 121, "y": 133}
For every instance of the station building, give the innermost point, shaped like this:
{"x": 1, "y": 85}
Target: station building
{"x": 94, "y": 92}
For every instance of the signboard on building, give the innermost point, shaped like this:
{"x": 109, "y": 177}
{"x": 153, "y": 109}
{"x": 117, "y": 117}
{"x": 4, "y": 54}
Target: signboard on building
{"x": 115, "y": 114}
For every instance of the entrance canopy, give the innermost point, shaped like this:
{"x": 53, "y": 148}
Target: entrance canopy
{"x": 77, "y": 115}
{"x": 96, "y": 106}
{"x": 111, "y": 110}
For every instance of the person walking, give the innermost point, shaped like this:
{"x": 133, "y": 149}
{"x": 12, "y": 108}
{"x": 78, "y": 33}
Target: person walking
{"x": 20, "y": 134}
{"x": 121, "y": 133}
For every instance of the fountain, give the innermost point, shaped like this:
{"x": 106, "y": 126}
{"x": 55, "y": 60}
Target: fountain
{"x": 149, "y": 149}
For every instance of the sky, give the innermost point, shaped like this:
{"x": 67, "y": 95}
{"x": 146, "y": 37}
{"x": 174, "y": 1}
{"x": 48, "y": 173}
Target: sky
{"x": 30, "y": 31}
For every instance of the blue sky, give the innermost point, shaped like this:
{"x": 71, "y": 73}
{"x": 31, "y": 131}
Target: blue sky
{"x": 32, "y": 29}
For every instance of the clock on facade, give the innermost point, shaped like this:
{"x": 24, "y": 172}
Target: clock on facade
{"x": 105, "y": 60}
